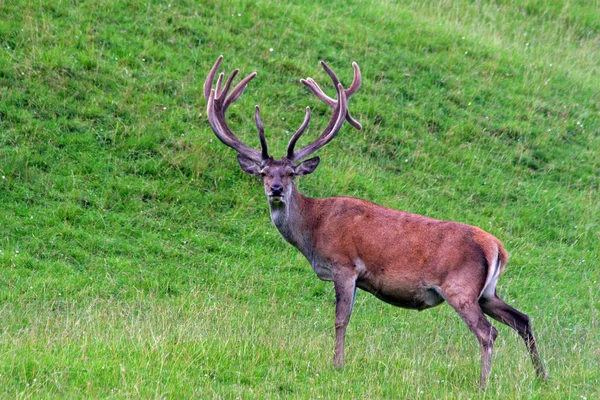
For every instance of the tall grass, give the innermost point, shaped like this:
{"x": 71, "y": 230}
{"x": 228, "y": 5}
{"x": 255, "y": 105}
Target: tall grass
{"x": 137, "y": 260}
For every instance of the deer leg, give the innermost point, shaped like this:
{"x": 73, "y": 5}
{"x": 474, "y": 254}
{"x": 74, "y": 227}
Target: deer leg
{"x": 486, "y": 334}
{"x": 500, "y": 311}
{"x": 345, "y": 292}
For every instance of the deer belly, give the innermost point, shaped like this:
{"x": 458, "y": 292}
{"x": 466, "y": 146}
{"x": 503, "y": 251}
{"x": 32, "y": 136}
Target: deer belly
{"x": 419, "y": 298}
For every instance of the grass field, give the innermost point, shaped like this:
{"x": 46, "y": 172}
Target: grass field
{"x": 138, "y": 261}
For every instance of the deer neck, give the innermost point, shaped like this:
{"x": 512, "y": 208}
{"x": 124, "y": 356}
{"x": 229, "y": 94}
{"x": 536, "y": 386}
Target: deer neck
{"x": 290, "y": 219}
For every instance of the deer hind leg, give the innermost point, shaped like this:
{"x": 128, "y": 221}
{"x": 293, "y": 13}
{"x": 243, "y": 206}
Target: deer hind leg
{"x": 486, "y": 334}
{"x": 500, "y": 311}
{"x": 344, "y": 283}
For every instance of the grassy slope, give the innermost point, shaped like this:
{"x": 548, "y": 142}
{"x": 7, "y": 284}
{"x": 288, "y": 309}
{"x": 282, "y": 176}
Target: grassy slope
{"x": 137, "y": 259}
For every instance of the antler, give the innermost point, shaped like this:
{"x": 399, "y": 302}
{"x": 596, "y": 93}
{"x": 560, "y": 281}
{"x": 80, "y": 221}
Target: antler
{"x": 218, "y": 102}
{"x": 340, "y": 113}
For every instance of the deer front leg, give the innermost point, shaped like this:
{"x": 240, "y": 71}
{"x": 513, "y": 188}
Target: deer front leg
{"x": 344, "y": 283}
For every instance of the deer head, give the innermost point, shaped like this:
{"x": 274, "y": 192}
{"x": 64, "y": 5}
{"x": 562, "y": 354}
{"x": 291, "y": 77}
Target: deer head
{"x": 277, "y": 175}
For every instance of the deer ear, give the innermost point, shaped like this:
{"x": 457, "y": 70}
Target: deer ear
{"x": 248, "y": 165}
{"x": 308, "y": 166}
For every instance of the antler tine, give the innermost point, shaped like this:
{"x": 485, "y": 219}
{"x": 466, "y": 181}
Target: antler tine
{"x": 331, "y": 74}
{"x": 238, "y": 90}
{"x": 219, "y": 101}
{"x": 337, "y": 119}
{"x": 296, "y": 136}
{"x": 261, "y": 134}
{"x": 228, "y": 84}
{"x": 218, "y": 91}
{"x": 316, "y": 89}
{"x": 356, "y": 82}
{"x": 210, "y": 78}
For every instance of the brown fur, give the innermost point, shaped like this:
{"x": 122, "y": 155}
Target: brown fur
{"x": 403, "y": 252}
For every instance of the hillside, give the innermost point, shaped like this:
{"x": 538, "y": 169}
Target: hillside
{"x": 138, "y": 260}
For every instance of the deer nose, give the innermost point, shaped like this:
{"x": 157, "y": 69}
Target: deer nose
{"x": 276, "y": 189}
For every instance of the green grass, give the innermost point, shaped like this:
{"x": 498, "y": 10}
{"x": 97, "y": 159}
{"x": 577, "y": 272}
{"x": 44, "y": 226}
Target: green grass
{"x": 138, "y": 260}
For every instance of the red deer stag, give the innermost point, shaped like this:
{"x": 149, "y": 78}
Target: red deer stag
{"x": 404, "y": 259}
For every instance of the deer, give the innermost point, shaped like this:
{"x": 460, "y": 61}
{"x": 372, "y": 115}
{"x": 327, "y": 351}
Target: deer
{"x": 404, "y": 259}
